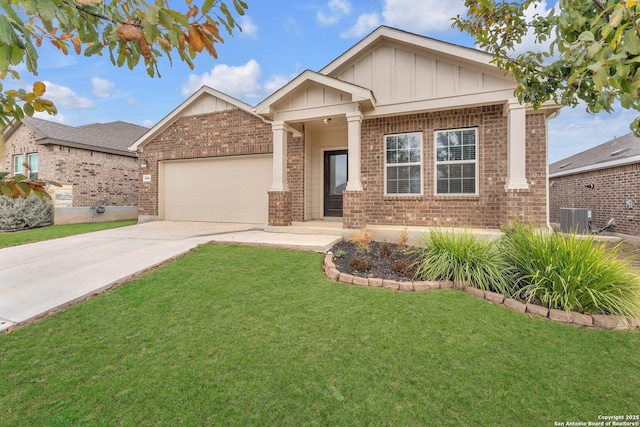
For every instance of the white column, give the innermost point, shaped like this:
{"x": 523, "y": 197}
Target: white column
{"x": 516, "y": 146}
{"x": 354, "y": 122}
{"x": 279, "y": 157}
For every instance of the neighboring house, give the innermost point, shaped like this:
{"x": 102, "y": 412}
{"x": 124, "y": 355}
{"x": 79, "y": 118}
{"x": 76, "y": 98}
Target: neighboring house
{"x": 604, "y": 179}
{"x": 400, "y": 129}
{"x": 92, "y": 163}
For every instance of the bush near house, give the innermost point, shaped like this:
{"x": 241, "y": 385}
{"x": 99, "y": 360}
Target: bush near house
{"x": 567, "y": 273}
{"x": 570, "y": 273}
{"x": 463, "y": 257}
{"x": 24, "y": 212}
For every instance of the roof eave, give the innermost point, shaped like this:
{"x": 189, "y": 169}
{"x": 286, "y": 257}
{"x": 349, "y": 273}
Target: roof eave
{"x": 72, "y": 144}
{"x": 596, "y": 166}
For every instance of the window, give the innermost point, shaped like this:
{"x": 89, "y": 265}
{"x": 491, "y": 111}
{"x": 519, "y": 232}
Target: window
{"x": 32, "y": 161}
{"x": 456, "y": 164}
{"x": 18, "y": 164}
{"x": 403, "y": 165}
{"x": 33, "y": 165}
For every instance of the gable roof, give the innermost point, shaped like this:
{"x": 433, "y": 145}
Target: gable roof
{"x": 385, "y": 33}
{"x": 113, "y": 138}
{"x": 618, "y": 151}
{"x": 358, "y": 93}
{"x": 174, "y": 115}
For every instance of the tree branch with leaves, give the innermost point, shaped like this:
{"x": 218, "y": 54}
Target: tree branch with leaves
{"x": 593, "y": 57}
{"x": 131, "y": 32}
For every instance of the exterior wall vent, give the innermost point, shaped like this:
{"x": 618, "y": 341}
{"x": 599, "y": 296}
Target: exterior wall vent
{"x": 620, "y": 151}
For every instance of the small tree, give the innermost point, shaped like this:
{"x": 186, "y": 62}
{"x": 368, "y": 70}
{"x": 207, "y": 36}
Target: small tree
{"x": 594, "y": 55}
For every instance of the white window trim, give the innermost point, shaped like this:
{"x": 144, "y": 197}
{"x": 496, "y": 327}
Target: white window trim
{"x": 454, "y": 162}
{"x": 421, "y": 163}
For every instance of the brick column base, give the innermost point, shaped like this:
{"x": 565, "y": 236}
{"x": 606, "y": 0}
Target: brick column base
{"x": 280, "y": 208}
{"x": 521, "y": 205}
{"x": 353, "y": 212}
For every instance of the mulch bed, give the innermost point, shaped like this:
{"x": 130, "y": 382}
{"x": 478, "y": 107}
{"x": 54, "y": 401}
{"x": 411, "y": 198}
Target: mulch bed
{"x": 382, "y": 260}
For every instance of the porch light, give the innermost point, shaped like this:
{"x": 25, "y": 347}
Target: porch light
{"x": 327, "y": 120}
{"x": 144, "y": 163}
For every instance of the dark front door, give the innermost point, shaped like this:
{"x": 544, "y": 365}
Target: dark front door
{"x": 335, "y": 181}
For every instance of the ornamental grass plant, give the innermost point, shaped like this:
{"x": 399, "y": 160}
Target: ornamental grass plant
{"x": 463, "y": 257}
{"x": 571, "y": 273}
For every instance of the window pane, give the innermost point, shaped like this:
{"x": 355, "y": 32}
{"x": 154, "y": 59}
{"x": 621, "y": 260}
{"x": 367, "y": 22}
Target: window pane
{"x": 392, "y": 142}
{"x": 443, "y": 186}
{"x": 469, "y": 153}
{"x": 455, "y": 171}
{"x": 392, "y": 173}
{"x": 392, "y": 187}
{"x": 18, "y": 164}
{"x": 455, "y": 186}
{"x": 414, "y": 155}
{"x": 469, "y": 186}
{"x": 469, "y": 170}
{"x": 403, "y": 172}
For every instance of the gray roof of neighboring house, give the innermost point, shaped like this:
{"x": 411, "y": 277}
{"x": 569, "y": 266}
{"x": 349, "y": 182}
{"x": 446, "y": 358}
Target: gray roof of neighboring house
{"x": 114, "y": 137}
{"x": 624, "y": 149}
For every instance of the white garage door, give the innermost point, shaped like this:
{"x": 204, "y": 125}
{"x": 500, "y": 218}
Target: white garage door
{"x": 224, "y": 189}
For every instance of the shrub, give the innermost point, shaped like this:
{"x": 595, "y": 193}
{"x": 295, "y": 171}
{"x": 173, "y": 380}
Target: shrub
{"x": 463, "y": 257}
{"x": 21, "y": 213}
{"x": 405, "y": 267}
{"x": 402, "y": 239}
{"x": 385, "y": 250}
{"x": 570, "y": 273}
{"x": 361, "y": 263}
{"x": 340, "y": 253}
{"x": 362, "y": 238}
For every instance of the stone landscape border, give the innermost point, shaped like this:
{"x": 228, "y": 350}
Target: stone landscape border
{"x": 599, "y": 321}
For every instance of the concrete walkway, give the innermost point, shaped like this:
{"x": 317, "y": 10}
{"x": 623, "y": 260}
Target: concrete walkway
{"x": 38, "y": 278}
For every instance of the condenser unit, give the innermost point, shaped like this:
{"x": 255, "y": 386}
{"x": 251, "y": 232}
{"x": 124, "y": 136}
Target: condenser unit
{"x": 575, "y": 220}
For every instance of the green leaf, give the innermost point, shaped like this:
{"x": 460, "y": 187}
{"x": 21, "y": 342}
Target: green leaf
{"x": 239, "y": 7}
{"x": 151, "y": 15}
{"x": 28, "y": 109}
{"x": 165, "y": 19}
{"x": 93, "y": 49}
{"x": 206, "y": 6}
{"x": 631, "y": 42}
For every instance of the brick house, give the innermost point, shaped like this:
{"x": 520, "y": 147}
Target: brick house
{"x": 400, "y": 129}
{"x": 91, "y": 162}
{"x": 605, "y": 179}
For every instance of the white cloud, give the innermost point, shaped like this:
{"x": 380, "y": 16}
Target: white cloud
{"x": 337, "y": 10}
{"x": 239, "y": 81}
{"x": 249, "y": 28}
{"x": 422, "y": 17}
{"x": 365, "y": 24}
{"x": 148, "y": 123}
{"x": 102, "y": 87}
{"x": 574, "y": 130}
{"x": 58, "y": 118}
{"x": 275, "y": 83}
{"x": 64, "y": 97}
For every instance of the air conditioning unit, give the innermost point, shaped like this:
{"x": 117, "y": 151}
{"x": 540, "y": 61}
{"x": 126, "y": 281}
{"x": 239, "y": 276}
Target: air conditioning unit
{"x": 574, "y": 220}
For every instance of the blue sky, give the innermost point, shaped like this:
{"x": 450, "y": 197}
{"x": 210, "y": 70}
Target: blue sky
{"x": 281, "y": 38}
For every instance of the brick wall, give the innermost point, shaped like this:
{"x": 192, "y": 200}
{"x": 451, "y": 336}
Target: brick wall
{"x": 613, "y": 187}
{"x": 228, "y": 133}
{"x": 492, "y": 207}
{"x": 95, "y": 176}
{"x": 295, "y": 175}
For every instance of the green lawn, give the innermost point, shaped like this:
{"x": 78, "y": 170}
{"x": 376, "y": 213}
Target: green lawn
{"x": 55, "y": 231}
{"x": 231, "y": 335}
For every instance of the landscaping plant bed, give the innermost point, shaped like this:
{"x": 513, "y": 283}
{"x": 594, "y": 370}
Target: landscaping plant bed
{"x": 382, "y": 260}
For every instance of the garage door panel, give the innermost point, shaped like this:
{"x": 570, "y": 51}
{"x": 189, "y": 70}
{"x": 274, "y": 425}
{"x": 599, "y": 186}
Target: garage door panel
{"x": 224, "y": 189}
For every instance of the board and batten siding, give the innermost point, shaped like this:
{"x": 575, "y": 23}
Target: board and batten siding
{"x": 397, "y": 75}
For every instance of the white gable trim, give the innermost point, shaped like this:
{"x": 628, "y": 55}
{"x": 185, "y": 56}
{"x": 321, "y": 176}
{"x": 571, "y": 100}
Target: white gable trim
{"x": 359, "y": 94}
{"x": 477, "y": 57}
{"x": 163, "y": 124}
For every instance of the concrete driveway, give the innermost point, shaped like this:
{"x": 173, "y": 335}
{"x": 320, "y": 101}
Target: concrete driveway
{"x": 38, "y": 278}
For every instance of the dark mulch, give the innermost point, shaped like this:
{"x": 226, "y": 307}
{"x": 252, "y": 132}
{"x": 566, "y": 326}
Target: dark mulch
{"x": 382, "y": 260}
